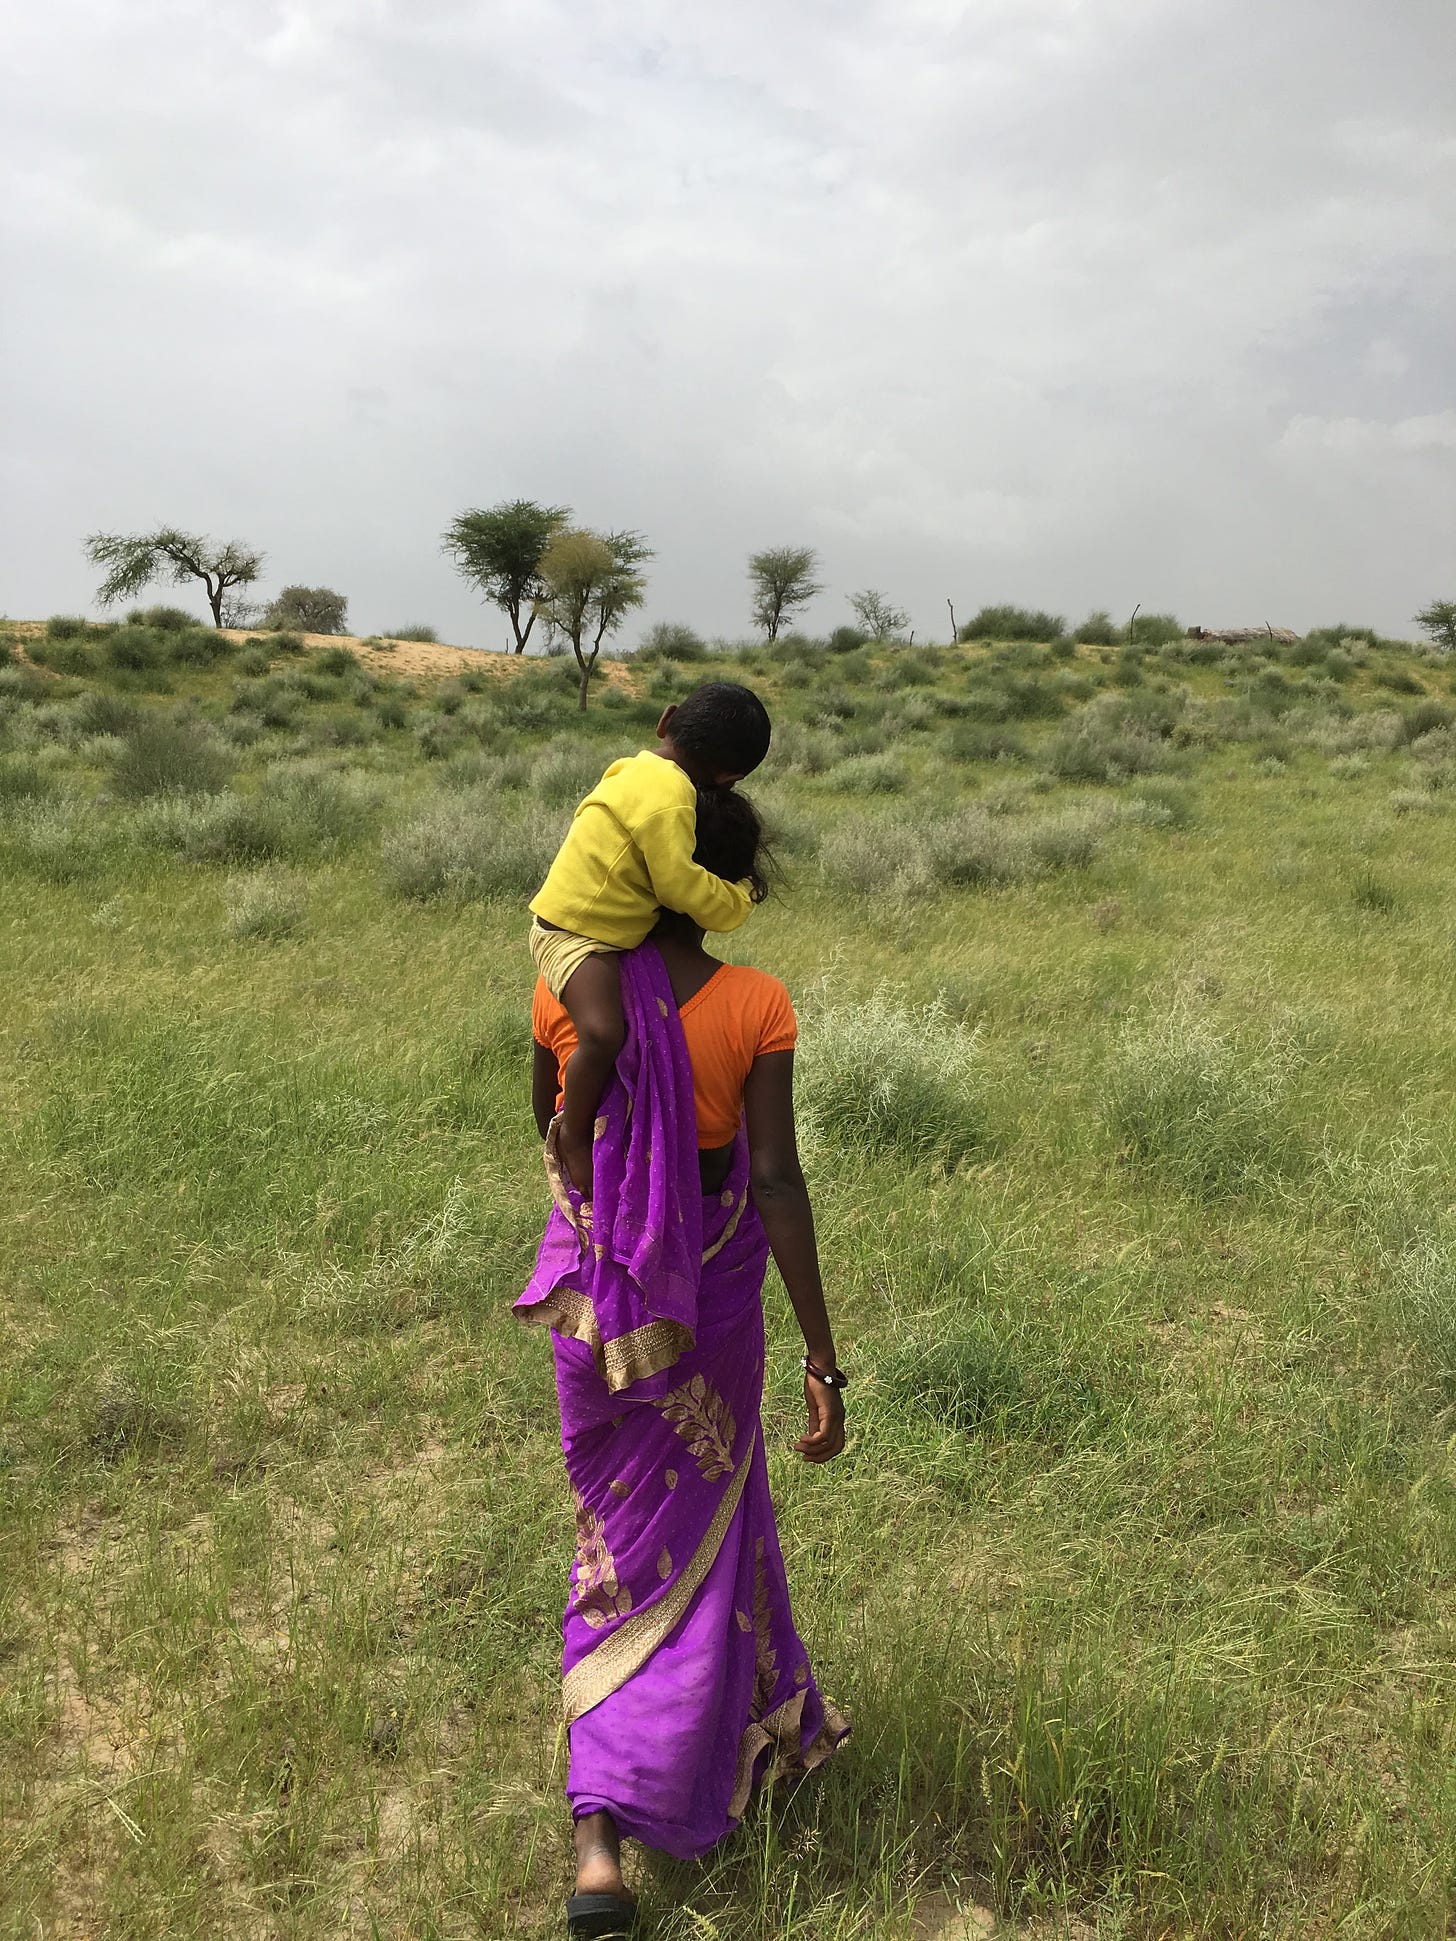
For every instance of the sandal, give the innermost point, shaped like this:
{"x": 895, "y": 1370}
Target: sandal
{"x": 606, "y": 1917}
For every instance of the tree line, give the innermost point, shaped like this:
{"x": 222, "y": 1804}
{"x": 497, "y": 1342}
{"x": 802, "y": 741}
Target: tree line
{"x": 534, "y": 563}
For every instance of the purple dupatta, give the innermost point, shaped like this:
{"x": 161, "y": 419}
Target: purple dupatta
{"x": 685, "y": 1681}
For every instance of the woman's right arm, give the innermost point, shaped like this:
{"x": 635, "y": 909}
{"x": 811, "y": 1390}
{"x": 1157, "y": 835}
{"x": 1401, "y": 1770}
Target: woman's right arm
{"x": 782, "y": 1200}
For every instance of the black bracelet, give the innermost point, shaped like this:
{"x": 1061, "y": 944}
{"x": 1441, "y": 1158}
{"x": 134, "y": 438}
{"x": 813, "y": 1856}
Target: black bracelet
{"x": 836, "y": 1378}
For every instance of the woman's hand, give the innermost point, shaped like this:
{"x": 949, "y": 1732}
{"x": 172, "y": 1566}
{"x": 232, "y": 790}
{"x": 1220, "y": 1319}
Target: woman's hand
{"x": 825, "y": 1406}
{"x": 576, "y": 1157}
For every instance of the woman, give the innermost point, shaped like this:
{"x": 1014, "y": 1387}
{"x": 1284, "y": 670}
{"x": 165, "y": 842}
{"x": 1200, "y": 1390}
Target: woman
{"x": 685, "y": 1681}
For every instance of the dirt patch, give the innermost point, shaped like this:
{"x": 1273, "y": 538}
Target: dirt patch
{"x": 939, "y": 1918}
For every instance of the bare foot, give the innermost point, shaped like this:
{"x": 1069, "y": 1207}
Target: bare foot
{"x": 598, "y": 1856}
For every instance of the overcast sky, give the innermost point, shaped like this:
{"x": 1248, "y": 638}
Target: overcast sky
{"x": 1070, "y": 302}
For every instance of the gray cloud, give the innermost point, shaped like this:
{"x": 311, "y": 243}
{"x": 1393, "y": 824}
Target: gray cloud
{"x": 1078, "y": 302}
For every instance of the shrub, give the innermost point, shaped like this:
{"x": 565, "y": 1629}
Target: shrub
{"x": 870, "y": 775}
{"x": 847, "y": 640}
{"x": 1013, "y": 623}
{"x": 465, "y": 849}
{"x": 671, "y": 640}
{"x": 168, "y": 755}
{"x": 163, "y": 619}
{"x": 1101, "y": 749}
{"x": 99, "y": 712}
{"x": 1099, "y": 629}
{"x": 1183, "y": 1098}
{"x": 198, "y": 647}
{"x": 1154, "y": 630}
{"x": 57, "y": 839}
{"x": 67, "y": 626}
{"x": 968, "y": 741}
{"x": 1425, "y": 717}
{"x": 23, "y": 780}
{"x": 563, "y": 774}
{"x": 224, "y": 828}
{"x": 321, "y": 809}
{"x": 1343, "y": 635}
{"x": 803, "y": 751}
{"x": 974, "y": 848}
{"x": 1397, "y": 680}
{"x": 136, "y": 648}
{"x": 877, "y": 1078}
{"x": 253, "y": 661}
{"x": 307, "y": 609}
{"x": 336, "y": 660}
{"x": 263, "y": 907}
{"x": 425, "y": 635}
{"x": 287, "y": 643}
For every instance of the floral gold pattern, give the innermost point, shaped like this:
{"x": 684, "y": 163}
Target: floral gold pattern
{"x": 597, "y": 1595}
{"x": 664, "y": 1564}
{"x": 783, "y": 1731}
{"x": 628, "y": 1647}
{"x": 705, "y": 1422}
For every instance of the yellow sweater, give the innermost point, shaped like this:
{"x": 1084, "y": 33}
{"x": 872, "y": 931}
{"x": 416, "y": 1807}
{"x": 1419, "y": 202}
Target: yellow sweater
{"x": 629, "y": 854}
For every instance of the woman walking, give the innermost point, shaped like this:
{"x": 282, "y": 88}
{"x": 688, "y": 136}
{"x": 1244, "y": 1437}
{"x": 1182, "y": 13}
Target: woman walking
{"x": 685, "y": 1681}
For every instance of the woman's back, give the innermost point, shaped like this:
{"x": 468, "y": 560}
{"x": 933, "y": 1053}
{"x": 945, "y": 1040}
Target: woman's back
{"x": 733, "y": 1017}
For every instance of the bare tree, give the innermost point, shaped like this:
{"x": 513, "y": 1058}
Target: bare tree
{"x": 878, "y": 615}
{"x": 783, "y": 581}
{"x": 499, "y": 550}
{"x": 134, "y": 560}
{"x": 590, "y": 582}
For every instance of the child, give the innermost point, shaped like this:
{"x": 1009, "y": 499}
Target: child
{"x": 627, "y": 855}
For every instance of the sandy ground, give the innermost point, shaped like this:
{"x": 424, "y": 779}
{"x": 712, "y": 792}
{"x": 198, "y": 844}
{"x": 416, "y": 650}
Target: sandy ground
{"x": 412, "y": 659}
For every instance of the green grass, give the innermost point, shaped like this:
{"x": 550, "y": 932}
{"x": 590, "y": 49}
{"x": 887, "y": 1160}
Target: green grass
{"x": 1126, "y": 1104}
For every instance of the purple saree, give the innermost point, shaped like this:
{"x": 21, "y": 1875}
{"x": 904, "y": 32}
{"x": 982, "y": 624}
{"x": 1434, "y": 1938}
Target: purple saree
{"x": 685, "y": 1681}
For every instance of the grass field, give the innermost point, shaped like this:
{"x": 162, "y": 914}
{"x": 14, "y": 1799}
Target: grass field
{"x": 1127, "y": 1066}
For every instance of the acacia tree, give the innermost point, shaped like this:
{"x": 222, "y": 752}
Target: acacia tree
{"x": 307, "y": 610}
{"x": 879, "y": 616}
{"x": 783, "y": 580}
{"x": 590, "y": 582}
{"x": 498, "y": 550}
{"x": 134, "y": 560}
{"x": 1439, "y": 621}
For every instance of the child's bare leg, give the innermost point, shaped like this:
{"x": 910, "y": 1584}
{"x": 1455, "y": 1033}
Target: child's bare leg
{"x": 593, "y": 1000}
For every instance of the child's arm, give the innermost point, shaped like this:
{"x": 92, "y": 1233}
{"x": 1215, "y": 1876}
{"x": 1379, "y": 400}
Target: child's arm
{"x": 666, "y": 840}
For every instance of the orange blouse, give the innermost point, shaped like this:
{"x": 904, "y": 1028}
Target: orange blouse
{"x": 737, "y": 1016}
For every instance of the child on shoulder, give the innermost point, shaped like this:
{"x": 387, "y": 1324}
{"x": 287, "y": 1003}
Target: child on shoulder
{"x": 627, "y": 855}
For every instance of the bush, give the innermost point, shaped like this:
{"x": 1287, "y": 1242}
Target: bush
{"x": 58, "y": 839}
{"x": 321, "y": 809}
{"x": 64, "y": 656}
{"x": 870, "y": 775}
{"x": 968, "y": 741}
{"x": 163, "y": 619}
{"x": 23, "y": 780}
{"x": 224, "y": 828}
{"x": 847, "y": 640}
{"x": 1183, "y": 1098}
{"x": 336, "y": 660}
{"x": 67, "y": 626}
{"x": 263, "y": 907}
{"x": 168, "y": 755}
{"x": 974, "y": 848}
{"x": 1013, "y": 623}
{"x": 198, "y": 647}
{"x": 309, "y": 610}
{"x": 253, "y": 661}
{"x": 136, "y": 647}
{"x": 1099, "y": 629}
{"x": 466, "y": 850}
{"x": 1154, "y": 630}
{"x": 876, "y": 1078}
{"x": 671, "y": 640}
{"x": 563, "y": 774}
{"x": 287, "y": 643}
{"x": 425, "y": 635}
{"x": 804, "y": 751}
{"x": 1114, "y": 736}
{"x": 101, "y": 713}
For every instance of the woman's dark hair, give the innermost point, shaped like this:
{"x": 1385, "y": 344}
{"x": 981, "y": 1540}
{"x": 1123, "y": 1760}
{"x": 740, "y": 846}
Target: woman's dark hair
{"x": 731, "y": 841}
{"x": 724, "y": 726}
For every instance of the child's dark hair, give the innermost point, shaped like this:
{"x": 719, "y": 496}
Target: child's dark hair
{"x": 723, "y": 726}
{"x": 731, "y": 841}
